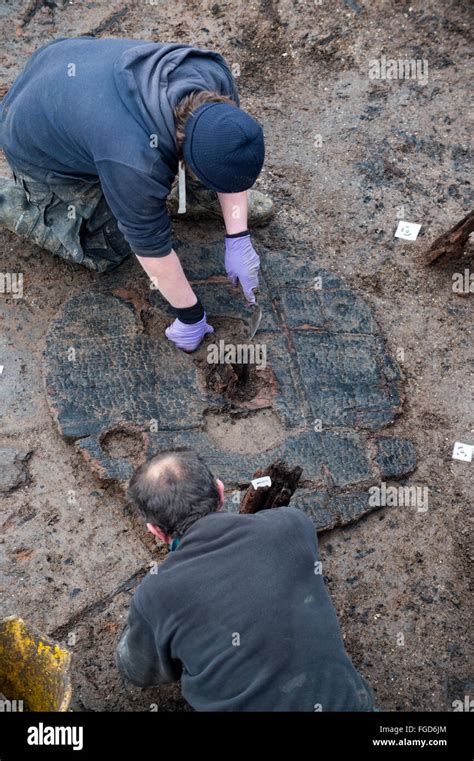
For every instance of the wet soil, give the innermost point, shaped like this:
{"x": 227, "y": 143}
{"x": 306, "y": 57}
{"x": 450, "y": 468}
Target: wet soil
{"x": 347, "y": 157}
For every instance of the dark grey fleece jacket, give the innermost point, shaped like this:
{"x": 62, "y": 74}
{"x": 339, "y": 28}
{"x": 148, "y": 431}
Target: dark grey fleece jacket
{"x": 241, "y": 614}
{"x": 102, "y": 109}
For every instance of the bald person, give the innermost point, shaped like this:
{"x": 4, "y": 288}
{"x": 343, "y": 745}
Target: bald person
{"x": 238, "y": 611}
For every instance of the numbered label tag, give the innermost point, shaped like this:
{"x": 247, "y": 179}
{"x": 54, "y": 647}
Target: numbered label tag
{"x": 259, "y": 483}
{"x": 463, "y": 451}
{"x": 407, "y": 230}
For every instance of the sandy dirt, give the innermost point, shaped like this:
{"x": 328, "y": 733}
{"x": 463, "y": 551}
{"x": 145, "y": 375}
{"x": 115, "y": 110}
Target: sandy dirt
{"x": 71, "y": 551}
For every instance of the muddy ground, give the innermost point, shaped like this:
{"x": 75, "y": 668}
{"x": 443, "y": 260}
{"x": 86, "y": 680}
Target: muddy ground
{"x": 72, "y": 552}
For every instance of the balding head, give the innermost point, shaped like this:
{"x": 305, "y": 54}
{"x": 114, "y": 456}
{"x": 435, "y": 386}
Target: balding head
{"x": 163, "y": 470}
{"x": 173, "y": 490}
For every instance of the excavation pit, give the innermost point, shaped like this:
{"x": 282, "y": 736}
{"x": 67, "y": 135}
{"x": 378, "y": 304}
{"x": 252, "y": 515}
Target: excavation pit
{"x": 237, "y": 382}
{"x": 121, "y": 443}
{"x": 328, "y": 387}
{"x": 284, "y": 482}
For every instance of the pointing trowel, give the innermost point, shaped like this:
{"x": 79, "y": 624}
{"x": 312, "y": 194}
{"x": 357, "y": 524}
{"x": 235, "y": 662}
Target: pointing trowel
{"x": 255, "y": 320}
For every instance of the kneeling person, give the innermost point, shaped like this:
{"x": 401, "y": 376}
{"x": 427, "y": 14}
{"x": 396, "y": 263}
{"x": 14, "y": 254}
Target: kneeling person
{"x": 236, "y": 611}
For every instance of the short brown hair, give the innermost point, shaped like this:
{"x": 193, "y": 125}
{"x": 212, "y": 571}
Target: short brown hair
{"x": 185, "y": 107}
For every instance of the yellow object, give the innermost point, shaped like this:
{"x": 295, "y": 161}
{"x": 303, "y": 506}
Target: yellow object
{"x": 33, "y": 668}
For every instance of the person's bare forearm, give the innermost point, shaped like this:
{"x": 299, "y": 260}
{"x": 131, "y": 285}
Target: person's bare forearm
{"x": 234, "y": 211}
{"x": 167, "y": 275}
{"x": 190, "y": 325}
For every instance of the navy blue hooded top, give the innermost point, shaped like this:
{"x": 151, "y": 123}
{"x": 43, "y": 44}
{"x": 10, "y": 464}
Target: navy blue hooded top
{"x": 88, "y": 109}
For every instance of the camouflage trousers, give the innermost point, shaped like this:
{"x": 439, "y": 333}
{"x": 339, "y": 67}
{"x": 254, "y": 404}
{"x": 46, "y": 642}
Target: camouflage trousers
{"x": 72, "y": 221}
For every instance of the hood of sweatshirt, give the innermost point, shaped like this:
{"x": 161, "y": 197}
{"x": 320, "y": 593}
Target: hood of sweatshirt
{"x": 148, "y": 79}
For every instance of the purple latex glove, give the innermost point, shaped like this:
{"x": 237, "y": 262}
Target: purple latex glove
{"x": 188, "y": 337}
{"x": 242, "y": 264}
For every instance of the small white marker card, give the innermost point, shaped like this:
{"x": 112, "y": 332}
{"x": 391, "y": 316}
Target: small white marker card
{"x": 259, "y": 483}
{"x": 463, "y": 451}
{"x": 407, "y": 230}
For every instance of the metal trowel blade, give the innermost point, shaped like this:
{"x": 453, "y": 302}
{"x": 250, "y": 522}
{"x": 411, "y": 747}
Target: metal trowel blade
{"x": 255, "y": 320}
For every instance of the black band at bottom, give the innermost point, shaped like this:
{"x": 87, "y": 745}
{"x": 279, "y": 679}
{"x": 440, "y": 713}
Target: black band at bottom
{"x": 190, "y": 315}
